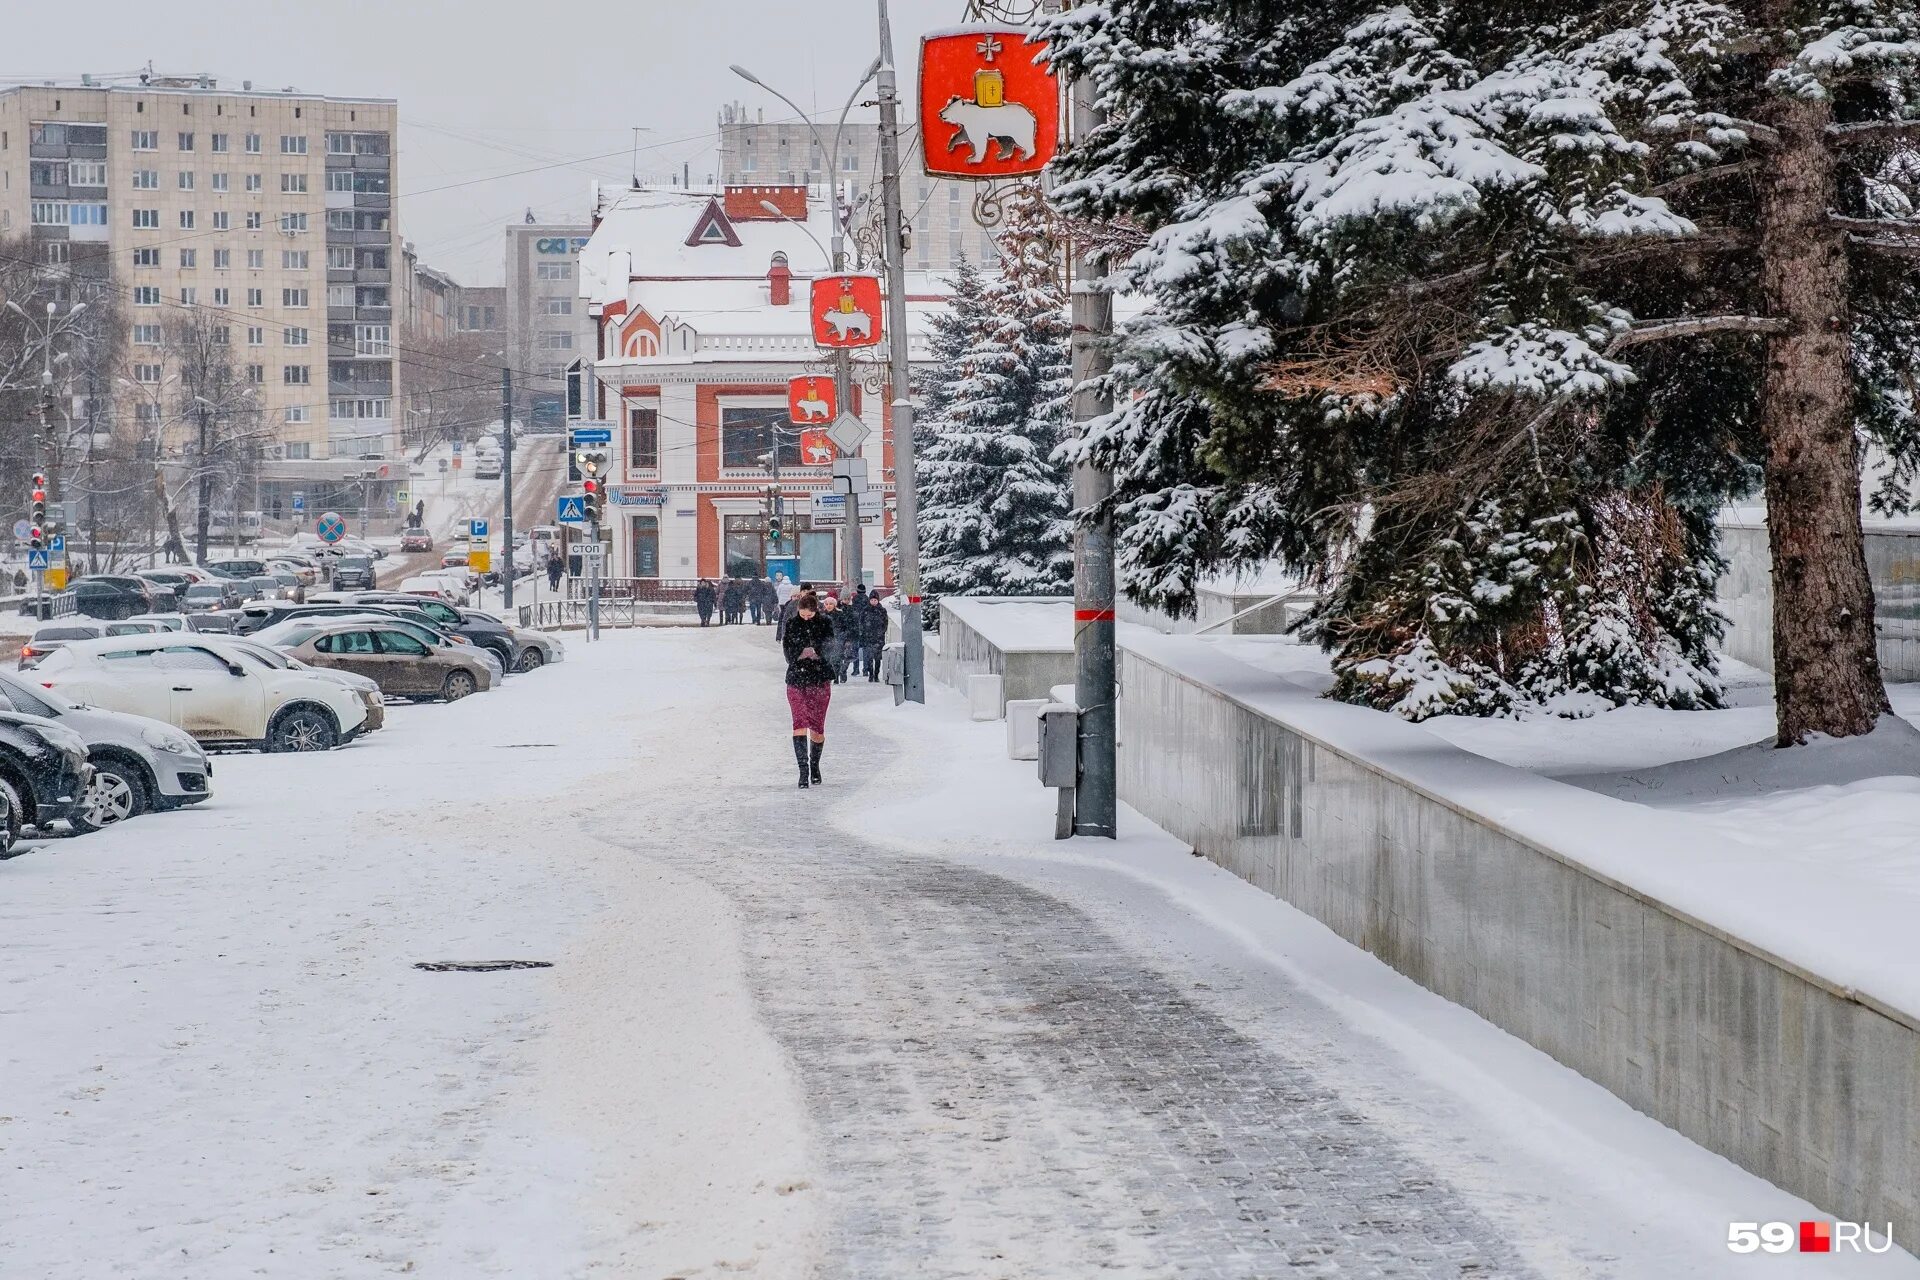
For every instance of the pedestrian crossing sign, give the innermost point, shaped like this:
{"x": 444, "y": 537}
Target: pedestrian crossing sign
{"x": 571, "y": 509}
{"x": 37, "y": 559}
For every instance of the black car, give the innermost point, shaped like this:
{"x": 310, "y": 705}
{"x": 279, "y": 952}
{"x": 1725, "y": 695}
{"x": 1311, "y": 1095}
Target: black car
{"x": 487, "y": 632}
{"x": 239, "y": 569}
{"x": 111, "y": 597}
{"x": 350, "y": 573}
{"x": 43, "y": 774}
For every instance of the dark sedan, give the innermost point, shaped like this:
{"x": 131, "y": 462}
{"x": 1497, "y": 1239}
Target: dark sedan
{"x": 111, "y": 597}
{"x": 43, "y": 774}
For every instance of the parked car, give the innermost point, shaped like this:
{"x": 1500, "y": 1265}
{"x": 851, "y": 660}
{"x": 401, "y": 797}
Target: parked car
{"x": 111, "y": 596}
{"x": 366, "y": 690}
{"x": 43, "y": 774}
{"x": 139, "y": 765}
{"x": 167, "y": 587}
{"x": 351, "y": 573}
{"x": 481, "y": 628}
{"x": 50, "y": 636}
{"x": 535, "y": 649}
{"x": 455, "y": 558}
{"x": 208, "y": 598}
{"x": 401, "y": 663}
{"x": 416, "y": 540}
{"x": 200, "y": 684}
{"x": 238, "y": 569}
{"x": 157, "y": 621}
{"x": 299, "y": 568}
{"x": 435, "y": 588}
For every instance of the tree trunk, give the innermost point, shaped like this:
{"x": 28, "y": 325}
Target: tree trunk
{"x": 1826, "y": 669}
{"x": 205, "y": 514}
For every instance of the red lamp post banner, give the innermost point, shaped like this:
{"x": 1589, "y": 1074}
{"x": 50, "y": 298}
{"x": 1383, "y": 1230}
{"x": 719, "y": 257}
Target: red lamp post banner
{"x": 846, "y": 311}
{"x": 812, "y": 399}
{"x": 989, "y": 107}
{"x": 816, "y": 449}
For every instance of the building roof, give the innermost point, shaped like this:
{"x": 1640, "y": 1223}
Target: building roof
{"x": 651, "y": 226}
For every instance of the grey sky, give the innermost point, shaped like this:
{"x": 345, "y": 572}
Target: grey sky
{"x": 488, "y": 88}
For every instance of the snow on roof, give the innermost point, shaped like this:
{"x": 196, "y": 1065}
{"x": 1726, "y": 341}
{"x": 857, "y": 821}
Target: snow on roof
{"x": 652, "y": 225}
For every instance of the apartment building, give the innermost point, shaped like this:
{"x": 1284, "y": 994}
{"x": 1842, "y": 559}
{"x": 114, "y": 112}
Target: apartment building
{"x": 271, "y": 212}
{"x": 546, "y": 321}
{"x": 939, "y": 211}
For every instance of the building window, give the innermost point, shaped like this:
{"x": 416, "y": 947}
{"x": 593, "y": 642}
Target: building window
{"x": 340, "y": 180}
{"x": 255, "y": 221}
{"x": 339, "y": 295}
{"x": 53, "y": 213}
{"x": 186, "y": 142}
{"x": 299, "y": 449}
{"x": 298, "y": 413}
{"x": 339, "y": 219}
{"x": 217, "y": 142}
{"x": 146, "y": 140}
{"x": 146, "y": 219}
{"x": 373, "y": 340}
{"x": 222, "y": 221}
{"x": 222, "y": 259}
{"x": 293, "y": 297}
{"x": 146, "y": 295}
{"x": 291, "y": 222}
{"x": 293, "y": 144}
{"x": 189, "y": 259}
{"x": 556, "y": 340}
{"x": 643, "y": 438}
{"x": 46, "y": 173}
{"x": 296, "y": 375}
{"x": 189, "y": 296}
{"x": 559, "y": 306}
{"x": 86, "y": 215}
{"x": 553, "y": 271}
{"x": 253, "y": 144}
{"x": 339, "y": 144}
{"x": 256, "y": 373}
{"x": 295, "y": 259}
{"x": 147, "y": 373}
{"x": 87, "y": 173}
{"x": 223, "y": 297}
{"x": 256, "y": 335}
{"x": 371, "y": 296}
{"x": 222, "y": 335}
{"x": 256, "y": 259}
{"x": 220, "y": 182}
{"x": 294, "y": 337}
{"x": 340, "y": 257}
{"x": 747, "y": 436}
{"x": 146, "y": 179}
{"x": 146, "y": 414}
{"x": 645, "y": 532}
{"x": 146, "y": 335}
{"x": 146, "y": 257}
{"x": 256, "y": 297}
{"x": 367, "y": 259}
{"x": 253, "y": 182}
{"x": 186, "y": 179}
{"x": 747, "y": 163}
{"x": 293, "y": 184}
{"x": 186, "y": 219}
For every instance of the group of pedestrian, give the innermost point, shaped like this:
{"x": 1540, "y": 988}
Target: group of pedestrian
{"x": 825, "y": 643}
{"x": 739, "y": 601}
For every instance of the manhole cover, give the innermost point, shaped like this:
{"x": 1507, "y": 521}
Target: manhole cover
{"x": 479, "y": 966}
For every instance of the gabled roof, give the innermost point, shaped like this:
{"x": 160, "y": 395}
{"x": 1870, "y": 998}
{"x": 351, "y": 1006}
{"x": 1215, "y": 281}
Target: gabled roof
{"x": 714, "y": 227}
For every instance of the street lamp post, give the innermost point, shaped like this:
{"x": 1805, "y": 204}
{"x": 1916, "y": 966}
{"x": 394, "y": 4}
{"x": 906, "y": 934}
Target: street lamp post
{"x": 837, "y": 259}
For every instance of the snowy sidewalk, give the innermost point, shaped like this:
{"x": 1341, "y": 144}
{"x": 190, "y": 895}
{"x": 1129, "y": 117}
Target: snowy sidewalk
{"x": 880, "y": 1030}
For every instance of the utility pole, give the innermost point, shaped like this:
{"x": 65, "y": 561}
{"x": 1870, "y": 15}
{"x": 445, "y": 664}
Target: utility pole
{"x": 842, "y": 392}
{"x": 1094, "y": 687}
{"x": 905, "y": 497}
{"x": 506, "y": 482}
{"x": 93, "y": 514}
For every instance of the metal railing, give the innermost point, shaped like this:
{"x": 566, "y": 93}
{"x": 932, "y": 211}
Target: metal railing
{"x": 556, "y": 615}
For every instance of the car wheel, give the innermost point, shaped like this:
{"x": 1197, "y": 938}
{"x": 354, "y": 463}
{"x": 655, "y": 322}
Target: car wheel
{"x": 459, "y": 685}
{"x": 116, "y": 793}
{"x": 9, "y": 828}
{"x": 531, "y": 660}
{"x": 16, "y": 812}
{"x": 303, "y": 729}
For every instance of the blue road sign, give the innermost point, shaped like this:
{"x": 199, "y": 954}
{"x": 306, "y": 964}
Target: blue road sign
{"x": 37, "y": 560}
{"x": 570, "y": 509}
{"x": 477, "y": 528}
{"x": 57, "y": 544}
{"x": 21, "y": 528}
{"x": 592, "y": 435}
{"x": 299, "y": 502}
{"x": 330, "y": 527}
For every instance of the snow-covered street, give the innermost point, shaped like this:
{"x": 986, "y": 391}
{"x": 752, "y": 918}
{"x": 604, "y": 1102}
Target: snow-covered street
{"x": 884, "y": 1029}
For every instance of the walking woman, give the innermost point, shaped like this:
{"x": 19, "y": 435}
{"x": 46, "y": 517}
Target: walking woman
{"x": 809, "y": 682}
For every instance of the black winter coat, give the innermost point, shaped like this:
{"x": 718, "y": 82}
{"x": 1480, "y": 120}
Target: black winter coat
{"x": 846, "y": 628}
{"x": 814, "y": 633}
{"x": 873, "y": 622}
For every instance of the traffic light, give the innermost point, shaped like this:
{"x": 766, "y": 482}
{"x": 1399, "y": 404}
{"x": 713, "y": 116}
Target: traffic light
{"x": 776, "y": 525}
{"x": 38, "y": 519}
{"x": 593, "y": 484}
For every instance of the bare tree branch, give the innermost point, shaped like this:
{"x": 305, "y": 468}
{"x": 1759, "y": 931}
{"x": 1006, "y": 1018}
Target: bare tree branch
{"x": 1693, "y": 327}
{"x": 1714, "y": 173}
{"x": 1897, "y": 248}
{"x": 1865, "y": 131}
{"x": 1895, "y": 227}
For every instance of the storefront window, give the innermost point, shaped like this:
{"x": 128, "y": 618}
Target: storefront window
{"x": 645, "y": 533}
{"x": 747, "y": 437}
{"x": 748, "y": 548}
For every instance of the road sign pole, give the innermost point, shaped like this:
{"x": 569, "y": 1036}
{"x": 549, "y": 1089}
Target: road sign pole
{"x": 506, "y": 483}
{"x": 593, "y": 585}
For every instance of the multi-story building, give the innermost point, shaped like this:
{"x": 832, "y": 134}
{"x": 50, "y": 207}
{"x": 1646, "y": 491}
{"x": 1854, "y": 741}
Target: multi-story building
{"x": 425, "y": 302}
{"x": 940, "y": 211}
{"x": 701, "y": 302}
{"x": 272, "y": 213}
{"x": 547, "y": 323}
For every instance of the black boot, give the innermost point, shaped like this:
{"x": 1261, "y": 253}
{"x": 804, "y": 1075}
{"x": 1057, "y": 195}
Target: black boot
{"x": 814, "y": 757}
{"x": 800, "y": 758}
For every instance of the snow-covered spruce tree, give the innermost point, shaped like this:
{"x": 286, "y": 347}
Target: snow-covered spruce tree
{"x": 1418, "y": 268}
{"x": 995, "y": 505}
{"x": 954, "y": 331}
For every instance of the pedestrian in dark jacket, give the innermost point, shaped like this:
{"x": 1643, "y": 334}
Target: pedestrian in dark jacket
{"x": 555, "y": 567}
{"x": 873, "y": 637}
{"x": 730, "y": 602}
{"x": 809, "y": 682}
{"x": 750, "y": 592}
{"x": 769, "y": 600}
{"x": 787, "y": 612}
{"x": 703, "y": 601}
{"x": 845, "y": 637}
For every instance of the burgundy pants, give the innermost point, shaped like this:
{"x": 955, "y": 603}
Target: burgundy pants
{"x": 809, "y": 705}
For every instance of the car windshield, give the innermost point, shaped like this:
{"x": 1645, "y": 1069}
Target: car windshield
{"x": 131, "y": 629}
{"x": 66, "y": 633}
{"x": 205, "y": 591}
{"x": 263, "y": 657}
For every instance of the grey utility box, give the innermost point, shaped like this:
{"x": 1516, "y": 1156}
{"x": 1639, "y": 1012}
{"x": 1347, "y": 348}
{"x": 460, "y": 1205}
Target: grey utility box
{"x": 1059, "y": 746}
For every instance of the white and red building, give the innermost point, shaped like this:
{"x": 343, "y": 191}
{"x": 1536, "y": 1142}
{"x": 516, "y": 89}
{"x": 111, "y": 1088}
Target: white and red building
{"x": 700, "y": 303}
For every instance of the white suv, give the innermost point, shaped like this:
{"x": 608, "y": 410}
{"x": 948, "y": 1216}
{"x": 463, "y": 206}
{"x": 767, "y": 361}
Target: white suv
{"x": 200, "y": 683}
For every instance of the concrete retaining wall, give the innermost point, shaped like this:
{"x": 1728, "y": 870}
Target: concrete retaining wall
{"x": 1784, "y": 1074}
{"x": 1745, "y": 594}
{"x": 976, "y": 640}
